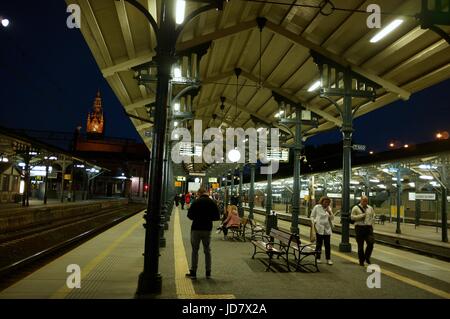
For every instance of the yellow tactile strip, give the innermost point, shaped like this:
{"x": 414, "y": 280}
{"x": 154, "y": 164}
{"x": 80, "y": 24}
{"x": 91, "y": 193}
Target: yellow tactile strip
{"x": 184, "y": 287}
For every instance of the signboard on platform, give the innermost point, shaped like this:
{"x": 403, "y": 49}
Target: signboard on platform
{"x": 278, "y": 154}
{"x": 212, "y": 180}
{"x": 334, "y": 195}
{"x": 193, "y": 187}
{"x": 197, "y": 174}
{"x": 359, "y": 147}
{"x": 181, "y": 178}
{"x": 177, "y": 184}
{"x": 67, "y": 177}
{"x": 190, "y": 149}
{"x": 215, "y": 185}
{"x": 421, "y": 196}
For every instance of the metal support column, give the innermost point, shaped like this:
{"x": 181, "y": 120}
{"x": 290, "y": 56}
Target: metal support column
{"x": 347, "y": 131}
{"x": 399, "y": 200}
{"x": 167, "y": 34}
{"x": 63, "y": 171}
{"x": 296, "y": 176}
{"x": 232, "y": 185}
{"x": 150, "y": 280}
{"x": 251, "y": 194}
{"x": 444, "y": 186}
{"x": 227, "y": 197}
{"x": 241, "y": 180}
{"x": 46, "y": 182}
{"x": 337, "y": 81}
{"x": 268, "y": 200}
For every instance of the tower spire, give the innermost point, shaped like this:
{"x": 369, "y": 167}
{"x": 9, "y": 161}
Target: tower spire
{"x": 95, "y": 121}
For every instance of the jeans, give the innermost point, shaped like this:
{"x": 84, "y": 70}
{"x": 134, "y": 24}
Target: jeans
{"x": 198, "y": 236}
{"x": 323, "y": 239}
{"x": 364, "y": 234}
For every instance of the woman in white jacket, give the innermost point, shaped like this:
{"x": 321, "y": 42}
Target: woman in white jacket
{"x": 322, "y": 219}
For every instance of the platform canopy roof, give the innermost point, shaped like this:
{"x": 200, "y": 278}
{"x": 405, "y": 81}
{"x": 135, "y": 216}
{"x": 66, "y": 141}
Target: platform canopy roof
{"x": 278, "y": 58}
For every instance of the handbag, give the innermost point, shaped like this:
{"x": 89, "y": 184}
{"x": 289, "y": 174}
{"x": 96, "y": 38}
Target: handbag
{"x": 312, "y": 233}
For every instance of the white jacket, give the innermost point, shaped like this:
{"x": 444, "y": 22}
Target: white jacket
{"x": 322, "y": 220}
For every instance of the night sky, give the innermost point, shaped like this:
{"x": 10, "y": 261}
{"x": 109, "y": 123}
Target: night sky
{"x": 49, "y": 80}
{"x": 49, "y": 76}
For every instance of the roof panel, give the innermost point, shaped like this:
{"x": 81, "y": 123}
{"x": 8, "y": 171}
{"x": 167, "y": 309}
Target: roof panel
{"x": 409, "y": 56}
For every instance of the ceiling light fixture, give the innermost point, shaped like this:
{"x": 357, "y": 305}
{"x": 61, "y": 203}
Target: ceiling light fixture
{"x": 314, "y": 87}
{"x": 180, "y": 9}
{"x": 388, "y": 29}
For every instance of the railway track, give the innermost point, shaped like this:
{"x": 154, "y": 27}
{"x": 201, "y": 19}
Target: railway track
{"x": 23, "y": 252}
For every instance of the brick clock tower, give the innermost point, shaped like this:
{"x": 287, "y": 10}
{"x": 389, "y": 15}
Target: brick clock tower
{"x": 95, "y": 121}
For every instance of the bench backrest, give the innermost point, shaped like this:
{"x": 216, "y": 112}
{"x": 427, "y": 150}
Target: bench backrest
{"x": 285, "y": 238}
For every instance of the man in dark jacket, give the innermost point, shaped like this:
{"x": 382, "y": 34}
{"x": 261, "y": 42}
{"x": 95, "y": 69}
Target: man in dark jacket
{"x": 202, "y": 213}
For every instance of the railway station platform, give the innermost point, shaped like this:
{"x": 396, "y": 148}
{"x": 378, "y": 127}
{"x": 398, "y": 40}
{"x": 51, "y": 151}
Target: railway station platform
{"x": 111, "y": 262}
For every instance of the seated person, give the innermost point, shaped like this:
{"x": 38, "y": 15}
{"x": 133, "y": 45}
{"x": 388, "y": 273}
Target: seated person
{"x": 232, "y": 220}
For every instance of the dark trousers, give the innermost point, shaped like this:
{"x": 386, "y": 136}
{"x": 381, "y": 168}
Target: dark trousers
{"x": 203, "y": 236}
{"x": 364, "y": 234}
{"x": 326, "y": 240}
{"x": 182, "y": 205}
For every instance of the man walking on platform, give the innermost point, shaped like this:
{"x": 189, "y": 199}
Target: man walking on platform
{"x": 364, "y": 217}
{"x": 202, "y": 213}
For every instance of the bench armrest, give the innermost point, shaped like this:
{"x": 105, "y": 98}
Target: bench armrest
{"x": 309, "y": 246}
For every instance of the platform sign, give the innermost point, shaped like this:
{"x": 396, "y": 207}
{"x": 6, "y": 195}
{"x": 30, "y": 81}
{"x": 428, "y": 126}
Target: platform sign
{"x": 67, "y": 177}
{"x": 190, "y": 149}
{"x": 197, "y": 174}
{"x": 177, "y": 184}
{"x": 212, "y": 180}
{"x": 215, "y": 185}
{"x": 421, "y": 196}
{"x": 193, "y": 187}
{"x": 278, "y": 154}
{"x": 334, "y": 195}
{"x": 181, "y": 178}
{"x": 359, "y": 147}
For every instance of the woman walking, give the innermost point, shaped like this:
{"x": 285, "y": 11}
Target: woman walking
{"x": 322, "y": 219}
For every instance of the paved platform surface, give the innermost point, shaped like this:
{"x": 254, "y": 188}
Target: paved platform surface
{"x": 112, "y": 261}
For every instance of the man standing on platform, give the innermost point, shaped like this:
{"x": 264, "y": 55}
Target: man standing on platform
{"x": 202, "y": 213}
{"x": 364, "y": 217}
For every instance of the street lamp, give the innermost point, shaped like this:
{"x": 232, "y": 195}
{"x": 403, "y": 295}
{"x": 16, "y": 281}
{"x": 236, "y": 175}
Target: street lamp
{"x": 4, "y": 22}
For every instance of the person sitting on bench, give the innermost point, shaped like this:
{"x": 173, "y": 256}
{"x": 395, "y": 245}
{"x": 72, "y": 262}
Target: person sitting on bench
{"x": 232, "y": 220}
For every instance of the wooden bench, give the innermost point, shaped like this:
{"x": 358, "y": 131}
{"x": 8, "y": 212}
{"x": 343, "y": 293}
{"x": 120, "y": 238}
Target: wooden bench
{"x": 267, "y": 246}
{"x": 250, "y": 229}
{"x": 284, "y": 244}
{"x": 236, "y": 231}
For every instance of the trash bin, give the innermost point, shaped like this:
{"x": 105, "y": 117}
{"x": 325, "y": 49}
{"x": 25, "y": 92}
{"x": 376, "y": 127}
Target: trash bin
{"x": 272, "y": 222}
{"x": 17, "y": 198}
